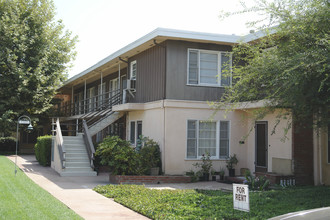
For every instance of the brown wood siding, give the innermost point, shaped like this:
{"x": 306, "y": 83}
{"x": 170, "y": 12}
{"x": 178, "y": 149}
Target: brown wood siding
{"x": 150, "y": 75}
{"x": 176, "y": 72}
{"x": 106, "y": 79}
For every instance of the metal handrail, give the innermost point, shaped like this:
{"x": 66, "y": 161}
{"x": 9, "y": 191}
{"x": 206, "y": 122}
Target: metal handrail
{"x": 59, "y": 143}
{"x": 95, "y": 103}
{"x": 88, "y": 143}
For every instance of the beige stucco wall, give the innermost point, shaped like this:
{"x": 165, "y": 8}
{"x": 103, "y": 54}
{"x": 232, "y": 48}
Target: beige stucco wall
{"x": 279, "y": 148}
{"x": 176, "y": 133}
{"x": 166, "y": 123}
{"x": 152, "y": 124}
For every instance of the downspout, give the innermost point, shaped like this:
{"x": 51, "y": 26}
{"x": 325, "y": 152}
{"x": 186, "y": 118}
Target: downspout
{"x": 85, "y": 98}
{"x": 119, "y": 77}
{"x": 164, "y": 97}
{"x": 124, "y": 91}
{"x": 72, "y": 104}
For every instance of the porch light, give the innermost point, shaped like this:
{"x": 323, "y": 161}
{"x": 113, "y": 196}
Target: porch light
{"x": 22, "y": 120}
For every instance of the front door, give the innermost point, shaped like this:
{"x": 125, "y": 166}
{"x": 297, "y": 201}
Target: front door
{"x": 261, "y": 137}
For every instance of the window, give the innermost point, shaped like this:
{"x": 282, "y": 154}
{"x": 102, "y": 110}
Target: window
{"x": 133, "y": 70}
{"x": 211, "y": 137}
{"x": 210, "y": 68}
{"x": 135, "y": 131}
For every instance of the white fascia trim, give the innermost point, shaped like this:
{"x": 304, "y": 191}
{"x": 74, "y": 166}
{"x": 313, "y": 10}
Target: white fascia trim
{"x": 185, "y": 104}
{"x": 164, "y": 32}
{"x": 259, "y": 34}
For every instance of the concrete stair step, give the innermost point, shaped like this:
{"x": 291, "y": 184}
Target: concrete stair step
{"x": 82, "y": 173}
{"x": 77, "y": 159}
{"x": 75, "y": 155}
{"x": 78, "y": 169}
{"x": 72, "y": 151}
{"x": 77, "y": 164}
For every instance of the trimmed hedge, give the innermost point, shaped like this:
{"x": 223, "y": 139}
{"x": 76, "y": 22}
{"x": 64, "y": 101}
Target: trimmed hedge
{"x": 7, "y": 144}
{"x": 42, "y": 150}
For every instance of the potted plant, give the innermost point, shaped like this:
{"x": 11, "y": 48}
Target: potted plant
{"x": 205, "y": 167}
{"x": 231, "y": 162}
{"x": 214, "y": 175}
{"x": 222, "y": 173}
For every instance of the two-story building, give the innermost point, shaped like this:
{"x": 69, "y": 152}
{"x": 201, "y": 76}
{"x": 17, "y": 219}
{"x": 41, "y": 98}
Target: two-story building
{"x": 160, "y": 86}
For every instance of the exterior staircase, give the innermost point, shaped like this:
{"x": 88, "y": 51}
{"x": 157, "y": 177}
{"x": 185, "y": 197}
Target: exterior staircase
{"x": 104, "y": 122}
{"x": 76, "y": 159}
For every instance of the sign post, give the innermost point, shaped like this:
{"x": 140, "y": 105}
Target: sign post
{"x": 241, "y": 197}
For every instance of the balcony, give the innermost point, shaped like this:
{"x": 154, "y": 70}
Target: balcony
{"x": 95, "y": 106}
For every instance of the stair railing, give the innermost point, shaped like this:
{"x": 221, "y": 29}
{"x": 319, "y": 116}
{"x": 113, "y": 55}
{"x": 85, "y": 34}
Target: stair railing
{"x": 59, "y": 143}
{"x": 88, "y": 143}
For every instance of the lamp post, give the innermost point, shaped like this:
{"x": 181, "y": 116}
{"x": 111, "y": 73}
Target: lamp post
{"x": 22, "y": 120}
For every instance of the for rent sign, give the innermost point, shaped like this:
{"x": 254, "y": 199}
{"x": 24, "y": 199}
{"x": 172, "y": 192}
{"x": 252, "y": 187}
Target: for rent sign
{"x": 241, "y": 197}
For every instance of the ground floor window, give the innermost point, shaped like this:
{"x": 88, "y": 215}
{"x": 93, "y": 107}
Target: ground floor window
{"x": 135, "y": 131}
{"x": 206, "y": 136}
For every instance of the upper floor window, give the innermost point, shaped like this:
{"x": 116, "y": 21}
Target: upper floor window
{"x": 210, "y": 68}
{"x": 133, "y": 70}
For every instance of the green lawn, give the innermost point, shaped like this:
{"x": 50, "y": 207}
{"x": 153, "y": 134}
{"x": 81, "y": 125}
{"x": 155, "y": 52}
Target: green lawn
{"x": 214, "y": 204}
{"x": 21, "y": 198}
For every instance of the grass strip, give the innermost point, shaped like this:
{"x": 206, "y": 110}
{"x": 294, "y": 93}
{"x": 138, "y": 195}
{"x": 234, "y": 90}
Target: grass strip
{"x": 21, "y": 198}
{"x": 214, "y": 204}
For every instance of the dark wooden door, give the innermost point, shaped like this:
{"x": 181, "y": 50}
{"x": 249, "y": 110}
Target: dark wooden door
{"x": 261, "y": 140}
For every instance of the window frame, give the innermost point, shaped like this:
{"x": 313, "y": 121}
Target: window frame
{"x": 131, "y": 77}
{"x": 136, "y": 123}
{"x": 219, "y": 73}
{"x": 218, "y": 156}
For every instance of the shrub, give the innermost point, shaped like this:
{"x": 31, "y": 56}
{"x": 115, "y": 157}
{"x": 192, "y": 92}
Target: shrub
{"x": 118, "y": 155}
{"x": 260, "y": 183}
{"x": 149, "y": 155}
{"x": 7, "y": 144}
{"x": 42, "y": 150}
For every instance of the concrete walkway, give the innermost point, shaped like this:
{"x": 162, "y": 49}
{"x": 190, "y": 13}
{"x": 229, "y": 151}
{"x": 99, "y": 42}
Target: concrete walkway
{"x": 77, "y": 193}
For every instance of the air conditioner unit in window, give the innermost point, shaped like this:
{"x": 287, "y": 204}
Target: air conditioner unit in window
{"x": 131, "y": 84}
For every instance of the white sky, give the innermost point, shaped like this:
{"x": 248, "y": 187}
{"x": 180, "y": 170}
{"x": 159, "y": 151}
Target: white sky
{"x": 105, "y": 26}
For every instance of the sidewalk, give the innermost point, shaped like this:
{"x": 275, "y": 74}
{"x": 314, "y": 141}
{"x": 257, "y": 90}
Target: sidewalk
{"x": 75, "y": 192}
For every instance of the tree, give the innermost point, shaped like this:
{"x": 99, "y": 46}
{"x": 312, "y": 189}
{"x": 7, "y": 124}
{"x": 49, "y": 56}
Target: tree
{"x": 35, "y": 52}
{"x": 289, "y": 66}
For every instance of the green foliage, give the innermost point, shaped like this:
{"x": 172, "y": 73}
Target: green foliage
{"x": 204, "y": 166}
{"x": 214, "y": 204}
{"x": 289, "y": 67}
{"x": 222, "y": 171}
{"x": 7, "y": 144}
{"x": 260, "y": 183}
{"x": 149, "y": 155}
{"x": 194, "y": 177}
{"x": 21, "y": 198}
{"x": 118, "y": 155}
{"x": 34, "y": 53}
{"x": 231, "y": 162}
{"x": 42, "y": 150}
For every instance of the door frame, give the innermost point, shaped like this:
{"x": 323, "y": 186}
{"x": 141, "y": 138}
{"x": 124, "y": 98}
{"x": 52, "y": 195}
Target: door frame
{"x": 261, "y": 168}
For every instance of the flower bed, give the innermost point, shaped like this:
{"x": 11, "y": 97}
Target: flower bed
{"x": 127, "y": 179}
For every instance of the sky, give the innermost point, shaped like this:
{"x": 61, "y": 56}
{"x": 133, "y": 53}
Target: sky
{"x": 105, "y": 26}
